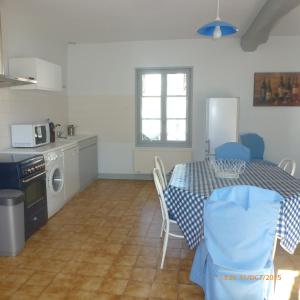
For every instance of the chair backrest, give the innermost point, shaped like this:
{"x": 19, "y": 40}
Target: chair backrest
{"x": 233, "y": 151}
{"x": 240, "y": 226}
{"x": 157, "y": 181}
{"x": 288, "y": 165}
{"x": 255, "y": 143}
{"x": 158, "y": 163}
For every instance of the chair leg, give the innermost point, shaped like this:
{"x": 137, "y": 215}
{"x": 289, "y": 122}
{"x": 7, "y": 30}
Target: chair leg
{"x": 162, "y": 228}
{"x": 165, "y": 246}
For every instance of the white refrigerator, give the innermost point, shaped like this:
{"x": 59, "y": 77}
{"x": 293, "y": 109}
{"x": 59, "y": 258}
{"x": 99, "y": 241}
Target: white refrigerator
{"x": 222, "y": 118}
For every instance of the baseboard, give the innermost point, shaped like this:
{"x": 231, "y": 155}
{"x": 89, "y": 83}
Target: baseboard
{"x": 125, "y": 176}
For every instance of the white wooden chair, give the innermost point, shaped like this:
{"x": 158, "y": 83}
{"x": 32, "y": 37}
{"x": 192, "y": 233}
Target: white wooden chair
{"x": 158, "y": 164}
{"x": 288, "y": 165}
{"x": 166, "y": 221}
{"x": 163, "y": 206}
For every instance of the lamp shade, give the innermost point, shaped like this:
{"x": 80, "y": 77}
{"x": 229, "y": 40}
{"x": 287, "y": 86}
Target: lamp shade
{"x": 225, "y": 27}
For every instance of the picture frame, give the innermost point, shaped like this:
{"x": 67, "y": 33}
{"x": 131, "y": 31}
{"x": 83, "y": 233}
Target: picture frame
{"x": 276, "y": 89}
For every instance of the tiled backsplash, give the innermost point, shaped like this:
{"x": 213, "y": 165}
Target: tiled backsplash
{"x": 29, "y": 106}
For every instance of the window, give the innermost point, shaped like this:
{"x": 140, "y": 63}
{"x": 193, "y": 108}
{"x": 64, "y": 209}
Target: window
{"x": 163, "y": 107}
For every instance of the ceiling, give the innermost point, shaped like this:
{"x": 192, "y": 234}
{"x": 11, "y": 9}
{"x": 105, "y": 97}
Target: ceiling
{"x": 89, "y": 21}
{"x": 289, "y": 25}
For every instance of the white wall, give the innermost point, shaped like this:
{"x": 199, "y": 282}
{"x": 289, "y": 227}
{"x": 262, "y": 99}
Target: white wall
{"x": 20, "y": 39}
{"x": 102, "y": 101}
{"x": 101, "y": 90}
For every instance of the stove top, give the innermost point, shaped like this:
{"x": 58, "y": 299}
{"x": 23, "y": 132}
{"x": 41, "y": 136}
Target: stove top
{"x": 16, "y": 158}
{"x": 14, "y": 167}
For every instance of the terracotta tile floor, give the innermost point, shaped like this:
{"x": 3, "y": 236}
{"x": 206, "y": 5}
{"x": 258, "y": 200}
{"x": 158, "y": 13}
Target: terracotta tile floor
{"x": 105, "y": 244}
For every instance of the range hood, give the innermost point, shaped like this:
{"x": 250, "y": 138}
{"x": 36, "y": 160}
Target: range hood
{"x": 5, "y": 81}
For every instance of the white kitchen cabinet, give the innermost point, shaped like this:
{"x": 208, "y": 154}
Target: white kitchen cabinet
{"x": 88, "y": 162}
{"x": 71, "y": 171}
{"x": 48, "y": 75}
{"x": 222, "y": 116}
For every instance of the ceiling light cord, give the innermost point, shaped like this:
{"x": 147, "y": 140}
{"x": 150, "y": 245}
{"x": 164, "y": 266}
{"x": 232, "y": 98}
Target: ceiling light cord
{"x": 217, "y": 34}
{"x": 218, "y": 11}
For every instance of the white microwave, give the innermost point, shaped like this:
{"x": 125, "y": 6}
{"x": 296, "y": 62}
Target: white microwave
{"x": 30, "y": 135}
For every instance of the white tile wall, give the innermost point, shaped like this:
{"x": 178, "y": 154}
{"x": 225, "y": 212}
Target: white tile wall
{"x": 4, "y": 118}
{"x": 29, "y": 106}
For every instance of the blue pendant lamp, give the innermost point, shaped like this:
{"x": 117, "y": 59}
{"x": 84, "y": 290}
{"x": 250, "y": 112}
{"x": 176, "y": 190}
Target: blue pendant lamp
{"x": 217, "y": 28}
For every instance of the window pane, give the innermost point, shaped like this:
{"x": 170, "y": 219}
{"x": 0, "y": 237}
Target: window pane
{"x": 151, "y": 130}
{"x": 151, "y": 84}
{"x": 176, "y": 107}
{"x": 176, "y": 130}
{"x": 151, "y": 108}
{"x": 176, "y": 84}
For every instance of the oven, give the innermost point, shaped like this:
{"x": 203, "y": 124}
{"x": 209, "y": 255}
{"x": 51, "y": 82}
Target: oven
{"x": 28, "y": 174}
{"x": 35, "y": 202}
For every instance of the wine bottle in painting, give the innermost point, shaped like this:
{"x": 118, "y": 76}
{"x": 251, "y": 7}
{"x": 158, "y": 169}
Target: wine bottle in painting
{"x": 295, "y": 90}
{"x": 286, "y": 91}
{"x": 263, "y": 90}
{"x": 290, "y": 89}
{"x": 269, "y": 91}
{"x": 281, "y": 89}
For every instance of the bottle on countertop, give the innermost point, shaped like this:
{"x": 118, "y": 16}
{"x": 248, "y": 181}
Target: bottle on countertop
{"x": 71, "y": 130}
{"x": 52, "y": 132}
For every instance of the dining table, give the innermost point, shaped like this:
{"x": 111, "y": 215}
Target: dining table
{"x": 192, "y": 183}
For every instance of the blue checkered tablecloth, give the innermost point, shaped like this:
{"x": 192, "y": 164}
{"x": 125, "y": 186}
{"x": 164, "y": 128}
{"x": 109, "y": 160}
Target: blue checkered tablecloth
{"x": 192, "y": 183}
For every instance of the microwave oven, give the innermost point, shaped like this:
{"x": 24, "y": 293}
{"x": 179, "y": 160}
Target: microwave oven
{"x": 30, "y": 135}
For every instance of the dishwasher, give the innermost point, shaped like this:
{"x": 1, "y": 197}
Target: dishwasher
{"x": 88, "y": 161}
{"x": 71, "y": 171}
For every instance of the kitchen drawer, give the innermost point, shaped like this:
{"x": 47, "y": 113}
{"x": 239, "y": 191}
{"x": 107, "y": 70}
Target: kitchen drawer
{"x": 36, "y": 207}
{"x": 34, "y": 221}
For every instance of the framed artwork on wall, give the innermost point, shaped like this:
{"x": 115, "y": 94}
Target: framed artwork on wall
{"x": 276, "y": 89}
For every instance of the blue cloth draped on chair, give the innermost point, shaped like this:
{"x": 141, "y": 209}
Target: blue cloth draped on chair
{"x": 233, "y": 151}
{"x": 239, "y": 231}
{"x": 255, "y": 143}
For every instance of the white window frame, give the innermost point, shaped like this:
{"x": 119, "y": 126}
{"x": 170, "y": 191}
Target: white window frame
{"x": 164, "y": 142}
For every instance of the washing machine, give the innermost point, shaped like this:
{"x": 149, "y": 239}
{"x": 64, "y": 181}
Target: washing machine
{"x": 55, "y": 181}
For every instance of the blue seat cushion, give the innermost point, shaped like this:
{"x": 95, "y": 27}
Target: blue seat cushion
{"x": 255, "y": 143}
{"x": 233, "y": 150}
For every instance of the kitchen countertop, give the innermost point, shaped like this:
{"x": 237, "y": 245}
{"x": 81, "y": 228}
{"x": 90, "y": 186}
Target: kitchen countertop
{"x": 59, "y": 144}
{"x": 76, "y": 138}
